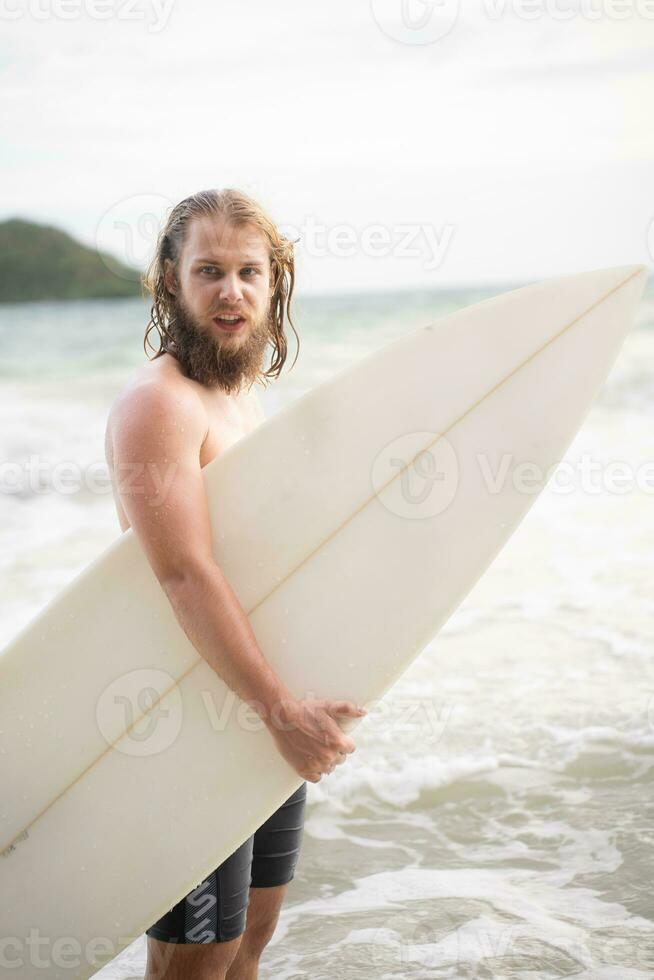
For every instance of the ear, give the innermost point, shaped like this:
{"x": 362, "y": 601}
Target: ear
{"x": 170, "y": 279}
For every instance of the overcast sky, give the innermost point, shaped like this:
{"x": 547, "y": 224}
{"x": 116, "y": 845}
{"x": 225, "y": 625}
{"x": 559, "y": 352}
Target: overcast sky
{"x": 479, "y": 143}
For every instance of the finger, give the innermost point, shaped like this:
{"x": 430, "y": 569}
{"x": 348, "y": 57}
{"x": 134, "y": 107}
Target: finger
{"x": 335, "y": 739}
{"x": 348, "y": 708}
{"x": 331, "y": 735}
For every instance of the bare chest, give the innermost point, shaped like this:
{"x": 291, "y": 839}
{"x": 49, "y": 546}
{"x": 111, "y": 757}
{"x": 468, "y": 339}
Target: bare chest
{"x": 226, "y": 424}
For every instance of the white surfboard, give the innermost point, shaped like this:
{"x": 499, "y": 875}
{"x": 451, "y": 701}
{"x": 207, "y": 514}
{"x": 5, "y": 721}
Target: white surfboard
{"x": 351, "y": 526}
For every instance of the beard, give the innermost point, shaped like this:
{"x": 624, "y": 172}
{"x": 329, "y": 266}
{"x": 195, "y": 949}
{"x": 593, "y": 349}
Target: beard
{"x": 213, "y": 361}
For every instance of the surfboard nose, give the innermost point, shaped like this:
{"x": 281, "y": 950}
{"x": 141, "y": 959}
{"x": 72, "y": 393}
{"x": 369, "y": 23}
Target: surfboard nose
{"x": 619, "y": 276}
{"x": 621, "y": 288}
{"x": 615, "y": 277}
{"x": 626, "y": 270}
{"x": 560, "y": 304}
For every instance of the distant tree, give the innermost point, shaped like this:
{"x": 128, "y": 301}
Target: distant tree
{"x": 38, "y": 262}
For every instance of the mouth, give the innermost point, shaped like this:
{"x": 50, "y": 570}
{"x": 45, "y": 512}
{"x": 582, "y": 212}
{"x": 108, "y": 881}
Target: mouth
{"x": 229, "y": 323}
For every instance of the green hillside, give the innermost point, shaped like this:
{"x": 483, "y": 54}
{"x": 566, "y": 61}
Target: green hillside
{"x": 39, "y": 262}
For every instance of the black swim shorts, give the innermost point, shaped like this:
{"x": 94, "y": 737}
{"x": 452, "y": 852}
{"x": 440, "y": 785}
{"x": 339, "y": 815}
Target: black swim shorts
{"x": 215, "y": 911}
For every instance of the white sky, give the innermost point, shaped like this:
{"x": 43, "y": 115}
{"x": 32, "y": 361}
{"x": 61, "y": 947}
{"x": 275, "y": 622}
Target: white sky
{"x": 515, "y": 148}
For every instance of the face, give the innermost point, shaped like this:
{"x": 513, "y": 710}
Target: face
{"x": 223, "y": 271}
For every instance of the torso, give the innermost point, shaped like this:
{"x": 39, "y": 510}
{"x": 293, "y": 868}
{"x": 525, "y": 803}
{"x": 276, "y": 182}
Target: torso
{"x": 227, "y": 418}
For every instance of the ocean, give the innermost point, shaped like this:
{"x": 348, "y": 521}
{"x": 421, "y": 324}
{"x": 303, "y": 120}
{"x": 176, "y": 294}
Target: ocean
{"x": 496, "y": 819}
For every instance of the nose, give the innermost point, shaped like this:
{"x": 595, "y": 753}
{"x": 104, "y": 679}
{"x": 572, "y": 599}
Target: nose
{"x": 230, "y": 288}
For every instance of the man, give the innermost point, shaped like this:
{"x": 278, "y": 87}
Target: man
{"x": 221, "y": 283}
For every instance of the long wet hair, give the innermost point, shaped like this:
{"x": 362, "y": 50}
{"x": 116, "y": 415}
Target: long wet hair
{"x": 239, "y": 209}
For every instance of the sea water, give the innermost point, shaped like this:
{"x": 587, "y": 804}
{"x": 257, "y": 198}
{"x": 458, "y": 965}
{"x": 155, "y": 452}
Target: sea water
{"x": 496, "y": 819}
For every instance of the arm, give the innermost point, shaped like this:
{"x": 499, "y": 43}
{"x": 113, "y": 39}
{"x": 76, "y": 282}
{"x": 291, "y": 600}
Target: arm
{"x": 157, "y": 436}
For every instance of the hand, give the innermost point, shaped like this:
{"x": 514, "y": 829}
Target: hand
{"x": 308, "y": 735}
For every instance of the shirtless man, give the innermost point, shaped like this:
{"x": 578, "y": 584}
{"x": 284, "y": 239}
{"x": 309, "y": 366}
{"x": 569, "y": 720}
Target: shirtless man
{"x": 218, "y": 257}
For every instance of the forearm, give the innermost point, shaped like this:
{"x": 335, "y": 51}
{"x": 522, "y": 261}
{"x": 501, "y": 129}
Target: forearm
{"x": 214, "y": 621}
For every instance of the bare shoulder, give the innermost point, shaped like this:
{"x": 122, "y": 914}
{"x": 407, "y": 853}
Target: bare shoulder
{"x": 155, "y": 432}
{"x": 155, "y": 410}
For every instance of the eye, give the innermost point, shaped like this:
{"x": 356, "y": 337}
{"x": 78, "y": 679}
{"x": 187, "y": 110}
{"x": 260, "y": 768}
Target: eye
{"x": 208, "y": 268}
{"x": 251, "y": 269}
